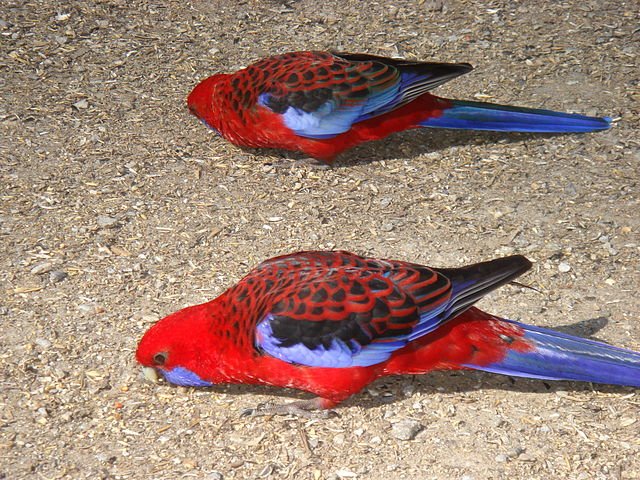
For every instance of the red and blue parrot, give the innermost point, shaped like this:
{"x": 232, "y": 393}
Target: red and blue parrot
{"x": 322, "y": 103}
{"x": 332, "y": 322}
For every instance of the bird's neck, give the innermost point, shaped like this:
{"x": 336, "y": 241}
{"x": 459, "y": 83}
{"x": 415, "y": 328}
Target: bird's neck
{"x": 231, "y": 328}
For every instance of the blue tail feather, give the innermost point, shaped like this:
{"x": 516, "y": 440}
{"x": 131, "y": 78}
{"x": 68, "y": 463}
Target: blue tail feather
{"x": 558, "y": 356}
{"x": 468, "y": 115}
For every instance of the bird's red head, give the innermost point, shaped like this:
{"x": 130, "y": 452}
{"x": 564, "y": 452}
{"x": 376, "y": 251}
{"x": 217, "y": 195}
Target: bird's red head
{"x": 181, "y": 348}
{"x": 202, "y": 100}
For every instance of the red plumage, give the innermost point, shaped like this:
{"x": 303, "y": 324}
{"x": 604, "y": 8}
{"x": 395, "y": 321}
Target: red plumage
{"x": 322, "y": 103}
{"x": 332, "y": 322}
{"x": 231, "y": 358}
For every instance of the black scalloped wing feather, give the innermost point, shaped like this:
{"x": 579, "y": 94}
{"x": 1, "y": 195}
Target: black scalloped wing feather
{"x": 340, "y": 306}
{"x": 307, "y": 80}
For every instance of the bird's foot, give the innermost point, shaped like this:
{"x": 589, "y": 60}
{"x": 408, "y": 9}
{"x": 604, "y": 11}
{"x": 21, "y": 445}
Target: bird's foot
{"x": 315, "y": 408}
{"x": 312, "y": 163}
{"x": 288, "y": 162}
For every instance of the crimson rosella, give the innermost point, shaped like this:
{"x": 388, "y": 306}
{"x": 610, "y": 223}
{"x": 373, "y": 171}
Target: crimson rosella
{"x": 332, "y": 322}
{"x": 322, "y": 103}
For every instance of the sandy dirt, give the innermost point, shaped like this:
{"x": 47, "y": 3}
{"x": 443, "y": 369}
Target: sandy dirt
{"x": 118, "y": 208}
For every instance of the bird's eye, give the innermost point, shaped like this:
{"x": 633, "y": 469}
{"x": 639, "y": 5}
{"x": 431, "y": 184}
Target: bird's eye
{"x": 160, "y": 358}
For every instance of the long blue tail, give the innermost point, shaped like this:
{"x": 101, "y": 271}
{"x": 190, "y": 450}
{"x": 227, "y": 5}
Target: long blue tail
{"x": 502, "y": 118}
{"x": 558, "y": 356}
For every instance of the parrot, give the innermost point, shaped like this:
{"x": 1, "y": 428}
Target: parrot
{"x": 331, "y": 322}
{"x": 322, "y": 103}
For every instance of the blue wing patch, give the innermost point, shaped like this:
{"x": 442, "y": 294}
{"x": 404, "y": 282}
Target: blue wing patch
{"x": 332, "y": 118}
{"x": 326, "y": 122}
{"x": 338, "y": 354}
{"x": 378, "y": 316}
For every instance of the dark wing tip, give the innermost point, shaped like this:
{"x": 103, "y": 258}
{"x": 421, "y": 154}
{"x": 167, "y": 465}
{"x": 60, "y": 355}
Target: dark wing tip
{"x": 518, "y": 264}
{"x": 471, "y": 283}
{"x": 437, "y": 73}
{"x": 446, "y": 71}
{"x": 491, "y": 274}
{"x": 463, "y": 67}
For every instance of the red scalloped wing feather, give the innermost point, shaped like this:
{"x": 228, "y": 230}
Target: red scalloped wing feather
{"x": 299, "y": 72}
{"x": 380, "y": 298}
{"x": 229, "y": 103}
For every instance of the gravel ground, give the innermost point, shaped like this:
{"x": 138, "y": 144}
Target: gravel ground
{"x": 118, "y": 208}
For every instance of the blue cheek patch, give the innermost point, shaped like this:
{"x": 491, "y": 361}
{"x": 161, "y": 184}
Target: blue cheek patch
{"x": 183, "y": 377}
{"x": 209, "y": 127}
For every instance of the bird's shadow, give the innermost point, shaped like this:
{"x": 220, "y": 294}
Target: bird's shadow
{"x": 450, "y": 381}
{"x": 413, "y": 143}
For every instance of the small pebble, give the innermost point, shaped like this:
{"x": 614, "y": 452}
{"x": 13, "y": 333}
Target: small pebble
{"x": 609, "y": 248}
{"x": 343, "y": 473}
{"x": 504, "y": 250}
{"x": 627, "y": 421}
{"x": 90, "y": 308}
{"x": 570, "y": 189}
{"x": 408, "y": 389}
{"x": 85, "y": 307}
{"x": 57, "y": 276}
{"x": 42, "y": 267}
{"x": 266, "y": 471}
{"x": 518, "y": 450}
{"x": 435, "y": 5}
{"x": 564, "y": 267}
{"x": 43, "y": 343}
{"x": 81, "y": 104}
{"x": 106, "y": 221}
{"x": 501, "y": 458}
{"x": 406, "y": 429}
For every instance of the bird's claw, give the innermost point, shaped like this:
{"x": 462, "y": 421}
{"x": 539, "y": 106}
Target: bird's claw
{"x": 297, "y": 409}
{"x": 312, "y": 163}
